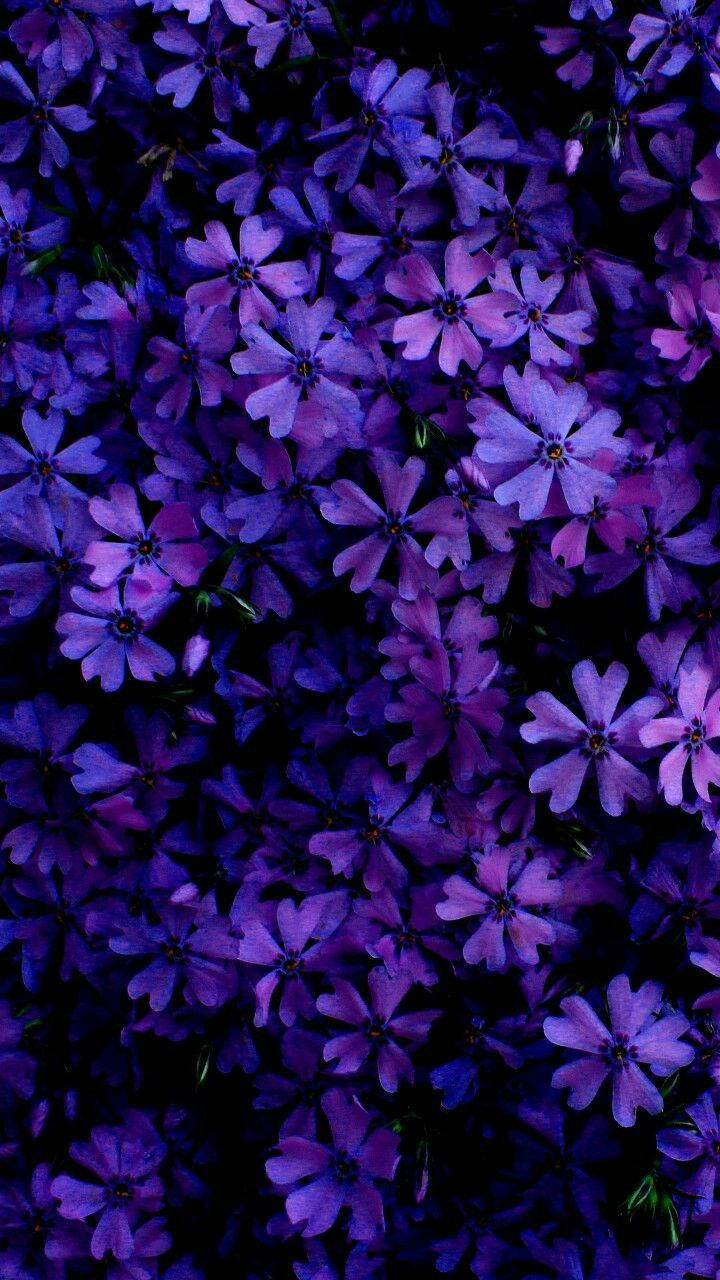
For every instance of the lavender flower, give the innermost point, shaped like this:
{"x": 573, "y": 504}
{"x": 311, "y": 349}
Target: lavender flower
{"x": 329, "y": 1178}
{"x": 696, "y": 726}
{"x": 111, "y": 631}
{"x": 635, "y": 1036}
{"x": 595, "y": 740}
{"x": 506, "y": 892}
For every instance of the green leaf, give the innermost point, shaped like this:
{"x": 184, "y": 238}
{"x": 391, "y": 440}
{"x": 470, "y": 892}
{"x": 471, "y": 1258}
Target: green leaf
{"x": 425, "y": 430}
{"x": 667, "y": 1087}
{"x": 584, "y": 123}
{"x": 238, "y": 603}
{"x": 339, "y": 23}
{"x": 202, "y": 1064}
{"x": 34, "y": 266}
{"x": 639, "y": 1196}
{"x": 106, "y": 268}
{"x": 671, "y": 1220}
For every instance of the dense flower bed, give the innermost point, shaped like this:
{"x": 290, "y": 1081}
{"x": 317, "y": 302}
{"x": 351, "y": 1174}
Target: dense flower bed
{"x": 359, "y": 590}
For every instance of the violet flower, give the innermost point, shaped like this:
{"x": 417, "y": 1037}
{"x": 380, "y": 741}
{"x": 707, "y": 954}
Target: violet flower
{"x": 551, "y": 451}
{"x": 701, "y": 1144}
{"x": 602, "y": 738}
{"x": 378, "y": 1028}
{"x": 42, "y": 119}
{"x": 508, "y": 894}
{"x": 326, "y": 1178}
{"x": 209, "y": 336}
{"x": 166, "y": 546}
{"x": 125, "y": 1162}
{"x": 697, "y": 725}
{"x": 111, "y": 631}
{"x": 525, "y": 310}
{"x": 454, "y": 313}
{"x": 394, "y": 529}
{"x": 245, "y": 275}
{"x": 389, "y": 121}
{"x": 636, "y": 1036}
{"x": 305, "y": 395}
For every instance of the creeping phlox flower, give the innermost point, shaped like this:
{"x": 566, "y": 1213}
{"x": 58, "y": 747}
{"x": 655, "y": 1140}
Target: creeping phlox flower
{"x": 602, "y": 738}
{"x": 635, "y": 1036}
{"x": 360, "y": 633}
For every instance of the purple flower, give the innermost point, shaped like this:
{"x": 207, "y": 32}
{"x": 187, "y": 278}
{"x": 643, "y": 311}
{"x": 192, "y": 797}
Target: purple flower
{"x": 449, "y": 153}
{"x": 124, "y": 1161}
{"x": 449, "y": 704}
{"x": 678, "y": 892}
{"x": 636, "y": 1035}
{"x": 202, "y": 61}
{"x": 453, "y": 312}
{"x": 245, "y": 276}
{"x": 694, "y": 306}
{"x": 392, "y": 817}
{"x": 393, "y": 529}
{"x": 209, "y": 335}
{"x": 292, "y": 20}
{"x": 166, "y": 546}
{"x": 44, "y": 465}
{"x": 259, "y": 167}
{"x": 59, "y": 535}
{"x": 20, "y": 237}
{"x": 69, "y": 34}
{"x": 24, "y": 319}
{"x": 100, "y": 770}
{"x": 696, "y": 726}
{"x": 526, "y": 310}
{"x": 397, "y": 229}
{"x": 387, "y": 122}
{"x": 188, "y": 947}
{"x": 304, "y": 394}
{"x": 507, "y": 890}
{"x": 601, "y": 738}
{"x": 659, "y": 552}
{"x": 701, "y": 1144}
{"x": 678, "y": 35}
{"x": 42, "y": 119}
{"x": 408, "y": 941}
{"x": 548, "y": 451}
{"x": 644, "y": 191}
{"x": 328, "y": 1178}
{"x": 111, "y": 630}
{"x": 316, "y": 917}
{"x": 378, "y": 1028}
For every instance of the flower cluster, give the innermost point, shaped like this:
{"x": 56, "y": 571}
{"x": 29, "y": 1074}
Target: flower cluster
{"x": 360, "y": 617}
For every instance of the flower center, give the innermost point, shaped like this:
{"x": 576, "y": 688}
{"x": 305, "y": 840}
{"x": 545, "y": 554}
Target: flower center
{"x": 375, "y": 1029}
{"x": 126, "y": 625}
{"x": 504, "y": 906}
{"x": 619, "y": 1052}
{"x": 694, "y": 735}
{"x": 290, "y": 963}
{"x": 344, "y": 1167}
